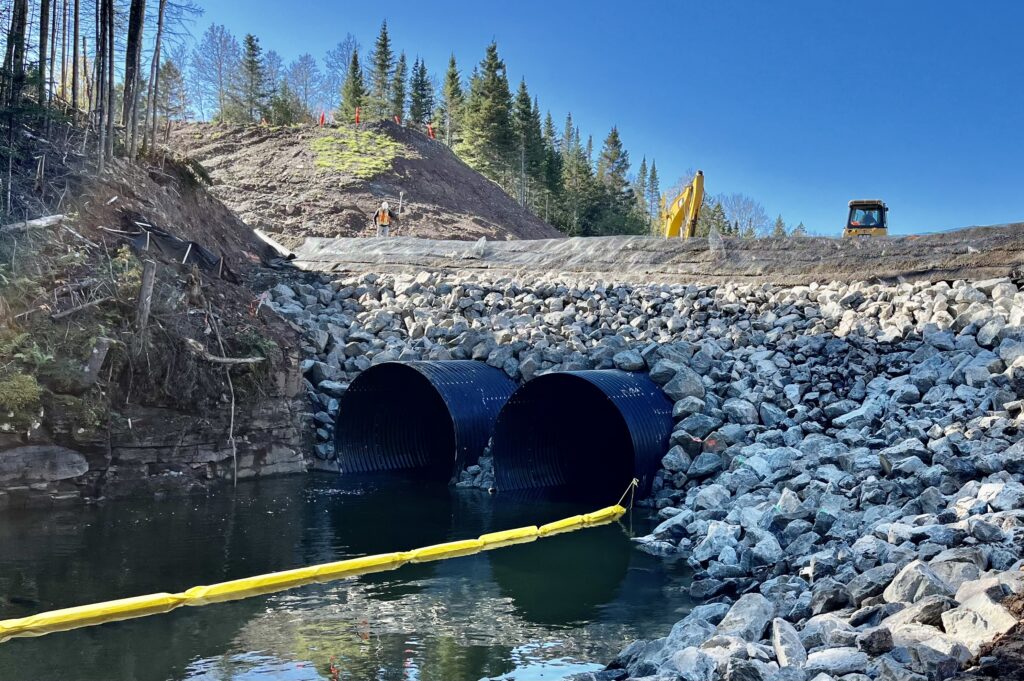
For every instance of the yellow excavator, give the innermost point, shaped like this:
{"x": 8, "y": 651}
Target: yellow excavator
{"x": 868, "y": 217}
{"x": 679, "y": 218}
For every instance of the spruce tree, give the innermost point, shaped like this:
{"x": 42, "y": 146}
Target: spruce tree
{"x": 552, "y": 160}
{"x": 613, "y": 166}
{"x": 654, "y": 193}
{"x": 529, "y": 146}
{"x": 398, "y": 81}
{"x": 450, "y": 115}
{"x": 421, "y": 94}
{"x": 285, "y": 107}
{"x": 253, "y": 89}
{"x": 799, "y": 230}
{"x": 640, "y": 191}
{"x": 712, "y": 217}
{"x": 383, "y": 60}
{"x": 353, "y": 92}
{"x": 487, "y": 143}
{"x": 779, "y": 231}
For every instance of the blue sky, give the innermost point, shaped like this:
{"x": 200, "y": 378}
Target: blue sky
{"x": 801, "y": 104}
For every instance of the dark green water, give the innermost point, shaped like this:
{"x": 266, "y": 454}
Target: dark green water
{"x": 533, "y": 611}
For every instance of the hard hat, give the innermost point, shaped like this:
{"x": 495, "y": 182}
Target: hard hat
{"x": 385, "y": 205}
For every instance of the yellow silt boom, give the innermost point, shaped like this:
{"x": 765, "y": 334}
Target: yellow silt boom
{"x": 679, "y": 218}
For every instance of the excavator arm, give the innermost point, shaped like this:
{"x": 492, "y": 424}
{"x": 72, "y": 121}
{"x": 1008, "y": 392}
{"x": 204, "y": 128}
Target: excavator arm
{"x": 679, "y": 218}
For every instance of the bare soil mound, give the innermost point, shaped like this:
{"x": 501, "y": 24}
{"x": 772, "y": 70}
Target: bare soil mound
{"x": 327, "y": 182}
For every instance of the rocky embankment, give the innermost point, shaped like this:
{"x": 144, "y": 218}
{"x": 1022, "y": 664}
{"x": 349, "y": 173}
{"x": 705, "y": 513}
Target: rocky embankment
{"x": 846, "y": 471}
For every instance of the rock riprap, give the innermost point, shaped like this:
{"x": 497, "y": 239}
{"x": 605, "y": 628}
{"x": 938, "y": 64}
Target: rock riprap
{"x": 846, "y": 476}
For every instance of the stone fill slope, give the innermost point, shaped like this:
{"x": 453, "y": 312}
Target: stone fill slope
{"x": 846, "y": 474}
{"x": 329, "y": 181}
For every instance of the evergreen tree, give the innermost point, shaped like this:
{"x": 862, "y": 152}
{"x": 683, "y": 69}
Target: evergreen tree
{"x": 799, "y": 230}
{"x": 552, "y": 172}
{"x": 383, "y": 61}
{"x": 353, "y": 93}
{"x": 529, "y": 145}
{"x": 450, "y": 115}
{"x": 640, "y": 191}
{"x": 421, "y": 94}
{"x": 779, "y": 230}
{"x": 285, "y": 107}
{"x": 712, "y": 217}
{"x": 654, "y": 193}
{"x": 613, "y": 166}
{"x": 253, "y": 89}
{"x": 398, "y": 81}
{"x": 488, "y": 143}
{"x": 172, "y": 96}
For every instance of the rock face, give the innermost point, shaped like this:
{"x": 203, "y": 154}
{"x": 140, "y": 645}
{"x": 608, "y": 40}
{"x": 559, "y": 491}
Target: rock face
{"x": 40, "y": 463}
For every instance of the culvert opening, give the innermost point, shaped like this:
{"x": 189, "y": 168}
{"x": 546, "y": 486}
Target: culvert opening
{"x": 427, "y": 418}
{"x": 582, "y": 434}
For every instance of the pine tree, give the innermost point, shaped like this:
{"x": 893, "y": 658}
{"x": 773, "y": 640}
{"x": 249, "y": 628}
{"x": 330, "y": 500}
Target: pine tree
{"x": 487, "y": 143}
{"x": 552, "y": 172}
{"x": 654, "y": 193}
{"x": 529, "y": 146}
{"x": 640, "y": 191}
{"x": 253, "y": 87}
{"x": 383, "y": 61}
{"x": 285, "y": 107}
{"x": 450, "y": 115}
{"x": 421, "y": 94}
{"x": 396, "y": 107}
{"x": 799, "y": 230}
{"x": 779, "y": 231}
{"x": 712, "y": 217}
{"x": 353, "y": 93}
{"x": 613, "y": 166}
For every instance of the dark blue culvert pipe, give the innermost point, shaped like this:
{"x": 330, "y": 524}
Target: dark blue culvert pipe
{"x": 432, "y": 418}
{"x": 583, "y": 433}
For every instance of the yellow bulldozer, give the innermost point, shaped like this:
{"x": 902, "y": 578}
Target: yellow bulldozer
{"x": 679, "y": 218}
{"x": 868, "y": 217}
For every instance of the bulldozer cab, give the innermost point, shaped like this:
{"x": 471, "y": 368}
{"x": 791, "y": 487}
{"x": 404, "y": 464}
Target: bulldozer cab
{"x": 868, "y": 217}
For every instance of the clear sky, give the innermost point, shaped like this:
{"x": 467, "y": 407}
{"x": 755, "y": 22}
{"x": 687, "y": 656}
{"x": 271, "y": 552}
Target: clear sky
{"x": 801, "y": 104}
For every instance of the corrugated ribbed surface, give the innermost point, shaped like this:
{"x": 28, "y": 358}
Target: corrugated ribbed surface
{"x": 431, "y": 416}
{"x": 582, "y": 429}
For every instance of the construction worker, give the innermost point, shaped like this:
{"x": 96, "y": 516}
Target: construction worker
{"x": 383, "y": 218}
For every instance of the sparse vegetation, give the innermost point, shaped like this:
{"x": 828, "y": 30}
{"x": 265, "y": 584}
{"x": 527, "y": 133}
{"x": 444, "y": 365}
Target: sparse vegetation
{"x": 360, "y": 153}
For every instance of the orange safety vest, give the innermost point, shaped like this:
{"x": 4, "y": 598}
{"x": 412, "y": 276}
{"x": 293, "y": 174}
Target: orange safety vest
{"x": 384, "y": 216}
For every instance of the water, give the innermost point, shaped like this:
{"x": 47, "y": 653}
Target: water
{"x": 529, "y": 612}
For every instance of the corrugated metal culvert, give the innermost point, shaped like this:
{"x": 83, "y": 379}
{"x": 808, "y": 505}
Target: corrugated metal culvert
{"x": 433, "y": 417}
{"x": 587, "y": 433}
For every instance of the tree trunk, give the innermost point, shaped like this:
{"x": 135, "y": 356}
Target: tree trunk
{"x": 44, "y": 28}
{"x": 14, "y": 59}
{"x": 53, "y": 53}
{"x": 110, "y": 79}
{"x": 64, "y": 51}
{"x": 132, "y": 66}
{"x": 99, "y": 66}
{"x": 154, "y": 78}
{"x": 74, "y": 64}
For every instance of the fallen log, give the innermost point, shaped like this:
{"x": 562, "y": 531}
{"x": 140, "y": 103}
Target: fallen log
{"x": 197, "y": 348}
{"x": 37, "y": 223}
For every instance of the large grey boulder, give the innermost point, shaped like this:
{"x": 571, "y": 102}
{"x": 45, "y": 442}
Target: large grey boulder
{"x": 979, "y": 620}
{"x": 837, "y": 661}
{"x": 686, "y": 383}
{"x": 748, "y": 617}
{"x": 914, "y": 582}
{"x": 789, "y": 650}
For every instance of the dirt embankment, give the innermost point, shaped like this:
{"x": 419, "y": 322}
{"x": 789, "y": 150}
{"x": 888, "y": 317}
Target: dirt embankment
{"x": 93, "y": 405}
{"x": 328, "y": 182}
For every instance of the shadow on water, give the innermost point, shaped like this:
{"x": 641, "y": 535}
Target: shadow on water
{"x": 532, "y": 608}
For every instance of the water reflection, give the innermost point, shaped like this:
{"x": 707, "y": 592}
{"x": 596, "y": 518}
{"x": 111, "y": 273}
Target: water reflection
{"x": 535, "y": 609}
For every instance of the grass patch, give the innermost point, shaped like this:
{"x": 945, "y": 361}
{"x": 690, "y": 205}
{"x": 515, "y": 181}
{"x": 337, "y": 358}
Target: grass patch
{"x": 360, "y": 153}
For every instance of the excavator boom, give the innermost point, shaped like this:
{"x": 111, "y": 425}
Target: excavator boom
{"x": 679, "y": 218}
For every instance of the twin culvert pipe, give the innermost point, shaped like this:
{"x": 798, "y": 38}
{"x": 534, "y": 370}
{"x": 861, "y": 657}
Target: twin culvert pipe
{"x": 573, "y": 432}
